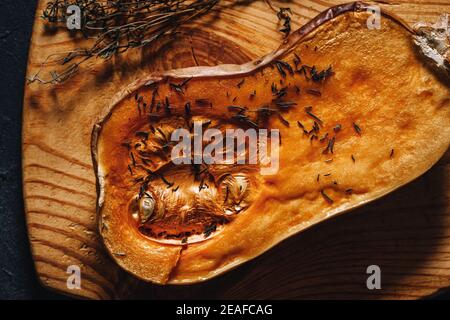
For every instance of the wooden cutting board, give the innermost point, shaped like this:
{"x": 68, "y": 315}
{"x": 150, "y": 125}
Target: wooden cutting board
{"x": 407, "y": 233}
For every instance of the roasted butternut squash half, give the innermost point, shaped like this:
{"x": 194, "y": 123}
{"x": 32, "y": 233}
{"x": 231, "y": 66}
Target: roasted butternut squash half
{"x": 343, "y": 115}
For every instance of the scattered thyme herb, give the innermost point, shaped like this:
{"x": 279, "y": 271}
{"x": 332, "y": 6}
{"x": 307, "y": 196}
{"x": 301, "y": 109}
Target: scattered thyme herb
{"x": 243, "y": 118}
{"x": 167, "y": 106}
{"x": 169, "y": 184}
{"x": 142, "y": 189}
{"x": 324, "y": 137}
{"x": 283, "y": 120}
{"x": 283, "y": 65}
{"x": 263, "y": 113}
{"x": 315, "y": 127}
{"x": 143, "y": 134}
{"x": 202, "y": 102}
{"x": 206, "y": 123}
{"x": 357, "y": 128}
{"x": 152, "y": 104}
{"x": 239, "y": 109}
{"x": 314, "y": 92}
{"x": 279, "y": 93}
{"x": 187, "y": 108}
{"x": 329, "y": 147}
{"x": 273, "y": 87}
{"x": 227, "y": 191}
{"x": 308, "y": 111}
{"x": 133, "y": 160}
{"x": 185, "y": 82}
{"x": 326, "y": 197}
{"x": 297, "y": 60}
{"x": 147, "y": 162}
{"x": 140, "y": 179}
{"x": 320, "y": 76}
{"x": 126, "y": 145}
{"x": 303, "y": 70}
{"x": 179, "y": 88}
{"x": 139, "y": 101}
{"x": 285, "y": 104}
{"x": 283, "y": 15}
{"x": 209, "y": 229}
{"x": 176, "y": 87}
{"x": 163, "y": 135}
{"x": 154, "y": 115}
{"x": 331, "y": 144}
{"x": 201, "y": 186}
{"x": 280, "y": 69}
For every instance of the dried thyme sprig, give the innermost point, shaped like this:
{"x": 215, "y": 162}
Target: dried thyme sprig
{"x": 283, "y": 15}
{"x": 116, "y": 26}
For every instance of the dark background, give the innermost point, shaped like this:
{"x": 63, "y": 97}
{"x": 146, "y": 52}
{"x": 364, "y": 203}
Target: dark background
{"x": 17, "y": 276}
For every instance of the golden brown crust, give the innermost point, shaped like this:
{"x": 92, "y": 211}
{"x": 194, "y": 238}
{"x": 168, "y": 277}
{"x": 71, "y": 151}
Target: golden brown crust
{"x": 379, "y": 84}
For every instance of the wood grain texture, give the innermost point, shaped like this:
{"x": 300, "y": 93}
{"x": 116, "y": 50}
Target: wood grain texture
{"x": 407, "y": 233}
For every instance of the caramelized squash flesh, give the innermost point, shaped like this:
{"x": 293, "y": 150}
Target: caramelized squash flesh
{"x": 358, "y": 114}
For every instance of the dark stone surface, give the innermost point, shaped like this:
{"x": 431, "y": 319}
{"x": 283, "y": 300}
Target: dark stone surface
{"x": 17, "y": 276}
